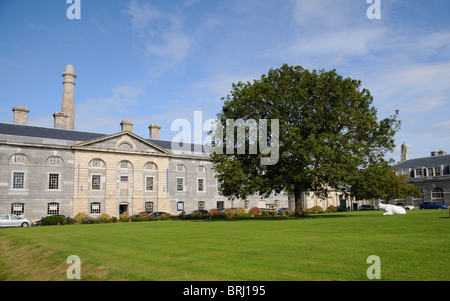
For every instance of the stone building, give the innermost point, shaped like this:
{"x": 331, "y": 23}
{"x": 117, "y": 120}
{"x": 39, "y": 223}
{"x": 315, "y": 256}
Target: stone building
{"x": 48, "y": 171}
{"x": 430, "y": 174}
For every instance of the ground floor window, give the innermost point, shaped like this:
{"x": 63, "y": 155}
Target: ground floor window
{"x": 220, "y": 205}
{"x": 52, "y": 209}
{"x": 18, "y": 208}
{"x": 95, "y": 208}
{"x": 149, "y": 206}
{"x": 201, "y": 205}
{"x": 437, "y": 193}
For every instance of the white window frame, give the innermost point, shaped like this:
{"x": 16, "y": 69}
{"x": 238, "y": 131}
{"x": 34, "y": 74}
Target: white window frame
{"x": 418, "y": 172}
{"x": 437, "y": 171}
{"x": 153, "y": 183}
{"x": 13, "y": 180}
{"x": 203, "y": 184}
{"x": 15, "y": 206}
{"x": 53, "y": 211}
{"x": 49, "y": 183}
{"x": 99, "y": 182}
{"x": 93, "y": 211}
{"x": 182, "y": 183}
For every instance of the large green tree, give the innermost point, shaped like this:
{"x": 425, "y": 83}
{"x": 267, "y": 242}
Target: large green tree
{"x": 328, "y": 131}
{"x": 381, "y": 181}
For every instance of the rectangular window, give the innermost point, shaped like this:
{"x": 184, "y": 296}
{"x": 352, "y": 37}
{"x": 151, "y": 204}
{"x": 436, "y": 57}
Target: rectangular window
{"x": 53, "y": 181}
{"x": 96, "y": 182}
{"x": 18, "y": 208}
{"x": 149, "y": 183}
{"x": 418, "y": 172}
{"x": 149, "y": 206}
{"x": 200, "y": 184}
{"x": 180, "y": 185}
{"x": 53, "y": 209}
{"x": 18, "y": 180}
{"x": 96, "y": 208}
{"x": 437, "y": 171}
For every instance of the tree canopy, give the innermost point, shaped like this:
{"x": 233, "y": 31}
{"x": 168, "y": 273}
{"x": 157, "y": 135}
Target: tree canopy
{"x": 322, "y": 124}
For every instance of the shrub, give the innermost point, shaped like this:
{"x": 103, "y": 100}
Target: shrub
{"x": 53, "y": 220}
{"x": 255, "y": 211}
{"x": 81, "y": 217}
{"x": 124, "y": 217}
{"x": 214, "y": 213}
{"x": 240, "y": 210}
{"x": 317, "y": 209}
{"x": 230, "y": 213}
{"x": 331, "y": 209}
{"x": 197, "y": 215}
{"x": 104, "y": 218}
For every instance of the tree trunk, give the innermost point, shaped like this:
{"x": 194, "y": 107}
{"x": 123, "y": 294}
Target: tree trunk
{"x": 298, "y": 202}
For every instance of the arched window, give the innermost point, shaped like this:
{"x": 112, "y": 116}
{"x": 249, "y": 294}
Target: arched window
{"x": 151, "y": 166}
{"x": 97, "y": 163}
{"x": 55, "y": 161}
{"x": 125, "y": 164}
{"x": 437, "y": 193}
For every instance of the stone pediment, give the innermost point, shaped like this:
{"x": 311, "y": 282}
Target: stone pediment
{"x": 126, "y": 142}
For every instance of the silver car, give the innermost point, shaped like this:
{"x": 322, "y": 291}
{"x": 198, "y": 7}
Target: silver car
{"x": 12, "y": 220}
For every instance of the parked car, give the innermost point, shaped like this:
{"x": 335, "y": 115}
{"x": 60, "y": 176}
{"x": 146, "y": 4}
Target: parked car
{"x": 432, "y": 205}
{"x": 12, "y": 220}
{"x": 407, "y": 207}
{"x": 204, "y": 212}
{"x": 139, "y": 213}
{"x": 366, "y": 207}
{"x": 158, "y": 214}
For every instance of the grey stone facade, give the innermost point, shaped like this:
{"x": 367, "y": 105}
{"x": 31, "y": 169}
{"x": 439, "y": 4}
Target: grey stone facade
{"x": 36, "y": 176}
{"x": 431, "y": 175}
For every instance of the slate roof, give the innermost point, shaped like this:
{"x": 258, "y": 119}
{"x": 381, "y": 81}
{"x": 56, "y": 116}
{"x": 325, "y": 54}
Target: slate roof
{"x": 52, "y": 133}
{"x": 424, "y": 162}
{"x": 42, "y": 132}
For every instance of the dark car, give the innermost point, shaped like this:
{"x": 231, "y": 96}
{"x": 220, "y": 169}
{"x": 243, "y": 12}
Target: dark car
{"x": 366, "y": 207}
{"x": 158, "y": 214}
{"x": 204, "y": 212}
{"x": 139, "y": 213}
{"x": 432, "y": 205}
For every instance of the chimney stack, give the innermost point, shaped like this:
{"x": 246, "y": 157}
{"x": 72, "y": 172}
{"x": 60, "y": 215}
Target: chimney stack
{"x": 68, "y": 97}
{"x": 155, "y": 130}
{"x": 60, "y": 120}
{"x": 126, "y": 126}
{"x": 20, "y": 115}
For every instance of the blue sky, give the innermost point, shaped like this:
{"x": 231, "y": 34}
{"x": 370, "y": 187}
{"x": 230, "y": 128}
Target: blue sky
{"x": 157, "y": 61}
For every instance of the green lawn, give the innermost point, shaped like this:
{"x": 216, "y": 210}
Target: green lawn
{"x": 320, "y": 247}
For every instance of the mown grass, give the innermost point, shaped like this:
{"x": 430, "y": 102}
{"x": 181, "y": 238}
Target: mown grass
{"x": 320, "y": 247}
